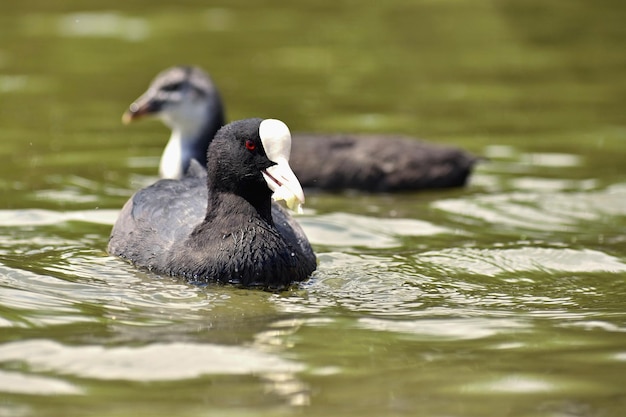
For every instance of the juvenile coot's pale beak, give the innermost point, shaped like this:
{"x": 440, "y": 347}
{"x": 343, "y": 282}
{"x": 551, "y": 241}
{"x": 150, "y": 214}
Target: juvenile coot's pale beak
{"x": 144, "y": 105}
{"x": 276, "y": 140}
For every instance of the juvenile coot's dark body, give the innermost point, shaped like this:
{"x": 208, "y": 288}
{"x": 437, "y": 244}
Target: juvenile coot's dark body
{"x": 377, "y": 164}
{"x": 220, "y": 225}
{"x": 187, "y": 101}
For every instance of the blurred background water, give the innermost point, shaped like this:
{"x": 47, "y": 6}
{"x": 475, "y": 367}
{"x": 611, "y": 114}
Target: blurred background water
{"x": 504, "y": 298}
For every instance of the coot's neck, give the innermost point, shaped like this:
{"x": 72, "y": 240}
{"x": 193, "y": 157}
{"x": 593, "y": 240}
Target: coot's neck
{"x": 190, "y": 141}
{"x": 241, "y": 200}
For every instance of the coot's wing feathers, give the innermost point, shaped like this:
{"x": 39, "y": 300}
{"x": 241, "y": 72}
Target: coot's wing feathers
{"x": 377, "y": 163}
{"x": 156, "y": 217}
{"x": 196, "y": 169}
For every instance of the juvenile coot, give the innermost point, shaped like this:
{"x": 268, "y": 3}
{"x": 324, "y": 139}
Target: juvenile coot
{"x": 187, "y": 101}
{"x": 220, "y": 225}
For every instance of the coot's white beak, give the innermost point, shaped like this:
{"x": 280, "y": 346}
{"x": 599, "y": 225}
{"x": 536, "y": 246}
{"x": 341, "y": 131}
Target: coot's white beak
{"x": 283, "y": 182}
{"x": 276, "y": 140}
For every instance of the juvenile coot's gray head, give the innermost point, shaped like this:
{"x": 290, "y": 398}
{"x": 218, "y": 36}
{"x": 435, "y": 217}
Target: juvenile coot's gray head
{"x": 188, "y": 102}
{"x": 237, "y": 239}
{"x": 186, "y": 98}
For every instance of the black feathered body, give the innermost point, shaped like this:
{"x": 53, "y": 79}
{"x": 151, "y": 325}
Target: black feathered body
{"x": 163, "y": 216}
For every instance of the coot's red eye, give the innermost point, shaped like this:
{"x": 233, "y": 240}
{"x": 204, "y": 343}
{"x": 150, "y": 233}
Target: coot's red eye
{"x": 250, "y": 145}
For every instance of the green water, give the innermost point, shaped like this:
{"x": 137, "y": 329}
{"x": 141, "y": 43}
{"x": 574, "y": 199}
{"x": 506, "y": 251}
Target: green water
{"x": 505, "y": 298}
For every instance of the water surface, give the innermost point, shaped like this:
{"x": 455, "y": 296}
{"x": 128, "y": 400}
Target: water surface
{"x": 504, "y": 298}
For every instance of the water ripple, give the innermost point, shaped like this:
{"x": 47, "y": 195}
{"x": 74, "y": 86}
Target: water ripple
{"x": 446, "y": 329}
{"x": 176, "y": 360}
{"x": 17, "y": 383}
{"x": 39, "y": 217}
{"x": 496, "y": 261}
{"x": 349, "y": 230}
{"x": 540, "y": 211}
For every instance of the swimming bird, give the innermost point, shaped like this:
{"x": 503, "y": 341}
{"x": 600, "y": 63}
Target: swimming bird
{"x": 186, "y": 99}
{"x": 220, "y": 225}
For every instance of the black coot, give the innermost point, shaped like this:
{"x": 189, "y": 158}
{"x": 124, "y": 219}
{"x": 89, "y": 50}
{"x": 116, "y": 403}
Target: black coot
{"x": 187, "y": 101}
{"x": 220, "y": 225}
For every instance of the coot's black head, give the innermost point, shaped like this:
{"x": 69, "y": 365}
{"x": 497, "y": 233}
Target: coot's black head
{"x": 250, "y": 158}
{"x": 181, "y": 97}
